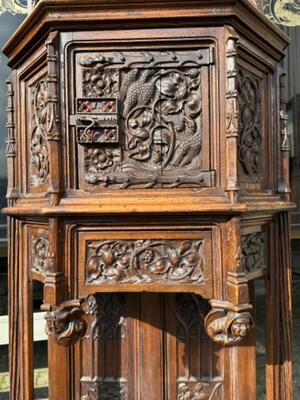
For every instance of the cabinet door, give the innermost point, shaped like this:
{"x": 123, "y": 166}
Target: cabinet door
{"x": 148, "y": 346}
{"x": 141, "y": 118}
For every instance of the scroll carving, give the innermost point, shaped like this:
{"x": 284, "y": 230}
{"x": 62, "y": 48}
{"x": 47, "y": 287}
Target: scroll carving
{"x": 250, "y": 146}
{"x": 199, "y": 390}
{"x": 42, "y": 259}
{"x": 66, "y": 323}
{"x": 252, "y": 252}
{"x": 39, "y": 151}
{"x": 144, "y": 261}
{"x": 148, "y": 104}
{"x": 228, "y": 327}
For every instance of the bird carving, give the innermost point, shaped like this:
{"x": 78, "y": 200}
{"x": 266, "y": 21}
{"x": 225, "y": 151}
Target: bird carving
{"x": 137, "y": 90}
{"x": 189, "y": 145}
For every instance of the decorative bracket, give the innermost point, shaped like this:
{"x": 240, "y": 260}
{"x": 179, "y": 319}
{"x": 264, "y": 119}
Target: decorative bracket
{"x": 65, "y": 323}
{"x": 227, "y": 327}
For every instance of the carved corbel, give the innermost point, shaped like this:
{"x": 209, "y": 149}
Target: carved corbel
{"x": 227, "y": 327}
{"x": 66, "y": 323}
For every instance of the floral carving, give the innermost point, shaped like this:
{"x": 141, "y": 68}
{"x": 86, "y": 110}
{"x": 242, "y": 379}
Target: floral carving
{"x": 198, "y": 391}
{"x": 156, "y": 97}
{"x": 65, "y": 323}
{"x": 39, "y": 152}
{"x": 227, "y": 327}
{"x": 250, "y": 146}
{"x": 99, "y": 82}
{"x": 42, "y": 258}
{"x": 252, "y": 257}
{"x": 144, "y": 261}
{"x": 98, "y": 388}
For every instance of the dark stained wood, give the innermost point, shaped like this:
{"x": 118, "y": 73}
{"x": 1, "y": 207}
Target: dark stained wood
{"x": 147, "y": 190}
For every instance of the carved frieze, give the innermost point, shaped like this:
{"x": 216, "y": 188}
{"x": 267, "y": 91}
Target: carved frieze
{"x": 42, "y": 258}
{"x": 149, "y": 105}
{"x": 144, "y": 261}
{"x": 250, "y": 143}
{"x": 39, "y": 151}
{"x": 228, "y": 327}
{"x": 252, "y": 252}
{"x": 191, "y": 390}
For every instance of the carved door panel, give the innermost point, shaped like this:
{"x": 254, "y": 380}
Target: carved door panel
{"x": 147, "y": 346}
{"x": 139, "y": 118}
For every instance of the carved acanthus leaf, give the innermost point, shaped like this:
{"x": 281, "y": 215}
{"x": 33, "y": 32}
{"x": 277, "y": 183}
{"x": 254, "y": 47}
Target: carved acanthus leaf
{"x": 228, "y": 327}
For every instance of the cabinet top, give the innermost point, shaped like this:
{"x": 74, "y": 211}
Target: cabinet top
{"x": 74, "y": 15}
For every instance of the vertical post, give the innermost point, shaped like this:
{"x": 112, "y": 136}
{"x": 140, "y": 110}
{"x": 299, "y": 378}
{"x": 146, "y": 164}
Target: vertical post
{"x": 53, "y": 120}
{"x": 279, "y": 310}
{"x": 231, "y": 114}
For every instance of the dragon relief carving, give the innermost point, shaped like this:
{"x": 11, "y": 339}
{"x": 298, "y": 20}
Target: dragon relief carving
{"x": 39, "y": 151}
{"x": 228, "y": 327}
{"x": 155, "y": 100}
{"x": 250, "y": 145}
{"x": 252, "y": 252}
{"x": 144, "y": 261}
{"x": 42, "y": 258}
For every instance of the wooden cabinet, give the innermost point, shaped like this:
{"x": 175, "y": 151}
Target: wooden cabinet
{"x": 148, "y": 188}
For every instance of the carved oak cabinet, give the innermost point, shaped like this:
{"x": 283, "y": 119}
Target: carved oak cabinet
{"x": 147, "y": 190}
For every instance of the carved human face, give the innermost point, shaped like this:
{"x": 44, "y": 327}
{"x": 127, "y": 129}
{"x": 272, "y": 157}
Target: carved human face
{"x": 241, "y": 326}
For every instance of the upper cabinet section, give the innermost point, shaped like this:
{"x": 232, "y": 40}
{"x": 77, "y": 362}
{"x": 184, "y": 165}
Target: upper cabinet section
{"x": 140, "y": 118}
{"x": 181, "y": 102}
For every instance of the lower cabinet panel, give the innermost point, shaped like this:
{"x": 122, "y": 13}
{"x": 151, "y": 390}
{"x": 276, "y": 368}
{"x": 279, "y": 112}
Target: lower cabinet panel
{"x": 148, "y": 346}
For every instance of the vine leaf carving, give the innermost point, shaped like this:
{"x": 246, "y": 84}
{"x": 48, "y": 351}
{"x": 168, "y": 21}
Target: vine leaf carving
{"x": 250, "y": 145}
{"x": 144, "y": 261}
{"x": 252, "y": 256}
{"x": 39, "y": 151}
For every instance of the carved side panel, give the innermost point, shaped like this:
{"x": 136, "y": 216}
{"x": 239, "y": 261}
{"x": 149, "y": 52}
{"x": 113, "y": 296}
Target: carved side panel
{"x": 40, "y": 253}
{"x": 38, "y": 145}
{"x": 253, "y": 252}
{"x": 251, "y": 140}
{"x": 145, "y": 109}
{"x": 196, "y": 377}
{"x": 123, "y": 329}
{"x": 106, "y": 332}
